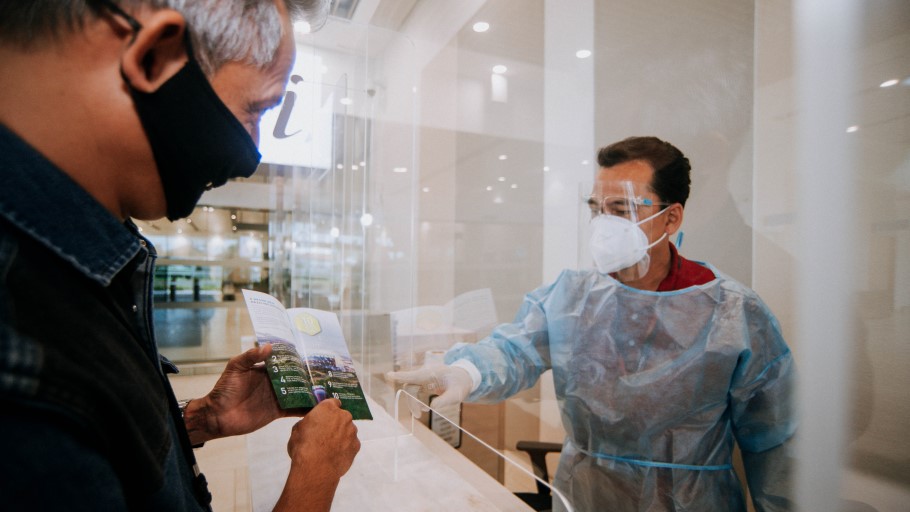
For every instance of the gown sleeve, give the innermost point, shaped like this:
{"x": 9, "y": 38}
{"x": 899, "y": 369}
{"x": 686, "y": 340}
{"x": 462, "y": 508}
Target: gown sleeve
{"x": 762, "y": 400}
{"x": 514, "y": 355}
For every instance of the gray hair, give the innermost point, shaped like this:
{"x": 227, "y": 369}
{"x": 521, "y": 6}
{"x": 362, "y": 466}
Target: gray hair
{"x": 247, "y": 31}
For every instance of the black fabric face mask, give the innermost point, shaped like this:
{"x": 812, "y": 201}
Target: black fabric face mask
{"x": 197, "y": 141}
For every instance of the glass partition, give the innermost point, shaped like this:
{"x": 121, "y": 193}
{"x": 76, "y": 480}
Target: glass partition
{"x": 427, "y": 168}
{"x": 326, "y": 222}
{"x": 830, "y": 231}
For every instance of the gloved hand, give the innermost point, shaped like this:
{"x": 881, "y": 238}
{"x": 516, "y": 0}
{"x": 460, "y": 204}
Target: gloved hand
{"x": 451, "y": 383}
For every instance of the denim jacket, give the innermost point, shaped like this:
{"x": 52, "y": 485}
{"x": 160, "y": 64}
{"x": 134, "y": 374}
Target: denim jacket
{"x": 89, "y": 420}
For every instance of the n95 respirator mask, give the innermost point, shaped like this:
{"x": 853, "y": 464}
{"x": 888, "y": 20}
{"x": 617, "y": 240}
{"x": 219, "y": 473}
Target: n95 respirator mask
{"x": 618, "y": 243}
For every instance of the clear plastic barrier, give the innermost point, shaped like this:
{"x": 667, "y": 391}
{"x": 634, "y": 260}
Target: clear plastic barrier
{"x": 421, "y": 178}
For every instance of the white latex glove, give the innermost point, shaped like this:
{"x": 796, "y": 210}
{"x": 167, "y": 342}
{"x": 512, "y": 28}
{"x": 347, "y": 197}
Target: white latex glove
{"x": 451, "y": 383}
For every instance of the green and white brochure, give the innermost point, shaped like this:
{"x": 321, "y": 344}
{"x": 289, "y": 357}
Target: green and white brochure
{"x": 310, "y": 359}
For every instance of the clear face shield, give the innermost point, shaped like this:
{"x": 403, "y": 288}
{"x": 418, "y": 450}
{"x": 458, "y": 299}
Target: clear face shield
{"x": 620, "y": 231}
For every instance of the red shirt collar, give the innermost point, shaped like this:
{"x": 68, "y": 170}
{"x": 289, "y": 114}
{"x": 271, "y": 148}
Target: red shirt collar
{"x": 684, "y": 273}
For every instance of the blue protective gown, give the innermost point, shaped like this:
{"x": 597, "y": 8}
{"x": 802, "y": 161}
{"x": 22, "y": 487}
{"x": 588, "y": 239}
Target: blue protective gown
{"x": 652, "y": 388}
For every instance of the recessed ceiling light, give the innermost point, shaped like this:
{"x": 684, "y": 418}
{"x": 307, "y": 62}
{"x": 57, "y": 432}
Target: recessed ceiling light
{"x": 501, "y": 178}
{"x": 889, "y": 83}
{"x": 514, "y": 185}
{"x": 583, "y": 54}
{"x": 851, "y": 129}
{"x": 499, "y": 69}
{"x": 584, "y": 162}
{"x": 302, "y": 27}
{"x": 503, "y": 157}
{"x": 546, "y": 168}
{"x": 481, "y": 26}
{"x": 489, "y": 188}
{"x": 426, "y": 189}
{"x": 400, "y": 169}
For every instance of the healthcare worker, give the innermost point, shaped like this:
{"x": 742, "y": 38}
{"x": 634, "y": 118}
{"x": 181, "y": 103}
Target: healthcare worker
{"x": 659, "y": 362}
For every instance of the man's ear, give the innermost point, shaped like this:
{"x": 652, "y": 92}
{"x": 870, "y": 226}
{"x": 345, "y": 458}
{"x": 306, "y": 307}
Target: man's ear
{"x": 158, "y": 52}
{"x": 675, "y": 214}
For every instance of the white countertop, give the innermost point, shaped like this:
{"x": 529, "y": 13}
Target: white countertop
{"x": 431, "y": 475}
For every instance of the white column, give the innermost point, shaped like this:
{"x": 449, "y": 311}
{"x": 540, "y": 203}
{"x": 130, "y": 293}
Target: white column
{"x": 568, "y": 128}
{"x": 825, "y": 35}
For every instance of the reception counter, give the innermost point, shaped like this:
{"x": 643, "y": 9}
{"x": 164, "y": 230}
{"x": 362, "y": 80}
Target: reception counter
{"x": 396, "y": 469}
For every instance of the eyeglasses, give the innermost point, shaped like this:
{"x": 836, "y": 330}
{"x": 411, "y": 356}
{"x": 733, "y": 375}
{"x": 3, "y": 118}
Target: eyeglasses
{"x": 114, "y": 8}
{"x": 630, "y": 208}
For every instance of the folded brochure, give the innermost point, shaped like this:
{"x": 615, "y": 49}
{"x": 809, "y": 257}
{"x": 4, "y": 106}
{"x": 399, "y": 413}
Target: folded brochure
{"x": 310, "y": 360}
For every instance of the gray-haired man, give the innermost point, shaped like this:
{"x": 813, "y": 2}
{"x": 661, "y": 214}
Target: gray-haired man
{"x": 111, "y": 111}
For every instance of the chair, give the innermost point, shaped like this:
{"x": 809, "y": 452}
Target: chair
{"x": 538, "y": 450}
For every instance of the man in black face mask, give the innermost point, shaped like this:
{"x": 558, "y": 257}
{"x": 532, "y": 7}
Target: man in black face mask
{"x": 111, "y": 110}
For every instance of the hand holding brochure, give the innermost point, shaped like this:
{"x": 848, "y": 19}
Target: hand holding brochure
{"x": 310, "y": 359}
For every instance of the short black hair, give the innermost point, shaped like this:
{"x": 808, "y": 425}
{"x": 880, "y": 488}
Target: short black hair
{"x": 671, "y": 179}
{"x": 23, "y": 24}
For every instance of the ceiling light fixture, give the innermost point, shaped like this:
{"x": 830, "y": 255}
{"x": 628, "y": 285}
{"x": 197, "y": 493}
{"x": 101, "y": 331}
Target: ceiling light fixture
{"x": 583, "y": 54}
{"x": 852, "y": 129}
{"x": 302, "y": 27}
{"x": 889, "y": 83}
{"x": 499, "y": 69}
{"x": 481, "y": 26}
